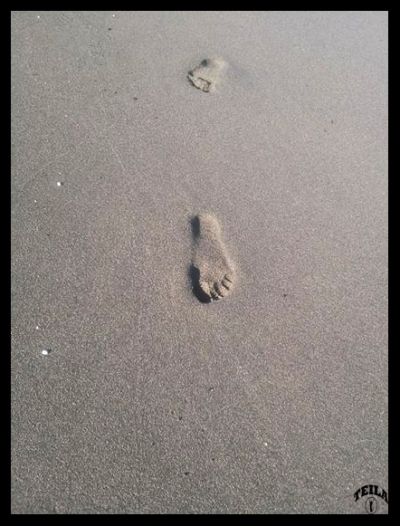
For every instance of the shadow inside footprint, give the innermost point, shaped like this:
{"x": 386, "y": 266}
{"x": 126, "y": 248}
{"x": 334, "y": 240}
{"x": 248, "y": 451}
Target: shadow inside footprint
{"x": 194, "y": 275}
{"x": 194, "y": 272}
{"x": 195, "y": 224}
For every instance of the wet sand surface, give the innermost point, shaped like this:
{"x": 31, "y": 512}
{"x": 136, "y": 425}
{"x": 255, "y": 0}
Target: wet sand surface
{"x": 271, "y": 400}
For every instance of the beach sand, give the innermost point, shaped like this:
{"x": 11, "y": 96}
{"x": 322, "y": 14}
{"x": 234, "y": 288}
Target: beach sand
{"x": 271, "y": 400}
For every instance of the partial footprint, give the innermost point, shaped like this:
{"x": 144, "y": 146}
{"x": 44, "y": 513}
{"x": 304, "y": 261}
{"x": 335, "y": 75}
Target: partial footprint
{"x": 208, "y": 73}
{"x": 212, "y": 272}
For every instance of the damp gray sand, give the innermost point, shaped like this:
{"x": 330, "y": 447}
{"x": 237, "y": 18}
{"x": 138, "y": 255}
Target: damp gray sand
{"x": 280, "y": 403}
{"x": 213, "y": 273}
{"x": 207, "y": 75}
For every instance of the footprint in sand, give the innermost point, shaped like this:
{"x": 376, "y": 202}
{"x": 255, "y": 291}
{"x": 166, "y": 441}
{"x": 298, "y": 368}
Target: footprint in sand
{"x": 212, "y": 272}
{"x": 207, "y": 74}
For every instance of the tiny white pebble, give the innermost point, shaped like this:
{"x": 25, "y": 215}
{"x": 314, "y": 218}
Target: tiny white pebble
{"x": 38, "y": 16}
{"x": 113, "y": 16}
{"x": 34, "y": 201}
{"x": 37, "y": 327}
{"x": 59, "y": 183}
{"x": 265, "y": 444}
{"x": 46, "y": 352}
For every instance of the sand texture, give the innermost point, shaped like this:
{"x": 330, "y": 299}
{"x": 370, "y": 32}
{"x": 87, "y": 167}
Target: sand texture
{"x": 199, "y": 279}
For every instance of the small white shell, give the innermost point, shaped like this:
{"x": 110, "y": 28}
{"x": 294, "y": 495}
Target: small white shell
{"x": 46, "y": 352}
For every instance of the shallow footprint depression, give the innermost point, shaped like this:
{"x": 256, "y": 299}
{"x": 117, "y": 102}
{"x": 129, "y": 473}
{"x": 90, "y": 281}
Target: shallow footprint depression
{"x": 212, "y": 271}
{"x": 207, "y": 75}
